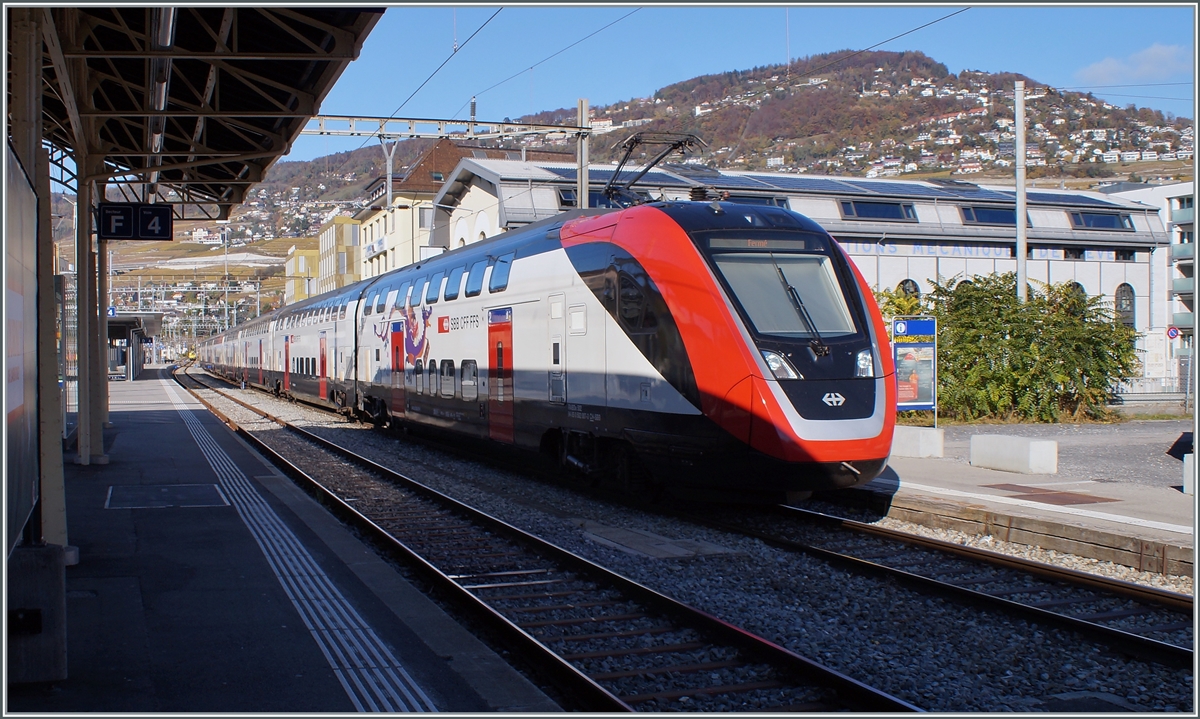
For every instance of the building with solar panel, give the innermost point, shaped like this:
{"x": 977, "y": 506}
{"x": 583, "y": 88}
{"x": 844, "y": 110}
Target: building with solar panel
{"x": 901, "y": 233}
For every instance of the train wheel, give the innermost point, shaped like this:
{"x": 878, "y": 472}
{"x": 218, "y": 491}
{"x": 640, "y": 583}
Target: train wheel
{"x": 632, "y": 478}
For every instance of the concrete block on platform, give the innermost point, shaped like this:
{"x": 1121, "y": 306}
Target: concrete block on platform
{"x": 1189, "y": 474}
{"x": 1014, "y": 454}
{"x": 918, "y": 442}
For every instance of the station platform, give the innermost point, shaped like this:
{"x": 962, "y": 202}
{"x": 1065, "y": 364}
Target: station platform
{"x": 208, "y": 582}
{"x": 1116, "y": 498}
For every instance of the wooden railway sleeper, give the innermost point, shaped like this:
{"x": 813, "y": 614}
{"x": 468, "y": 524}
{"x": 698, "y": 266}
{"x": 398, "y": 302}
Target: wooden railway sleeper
{"x": 580, "y": 621}
{"x": 508, "y": 573}
{"x": 621, "y": 634}
{"x": 708, "y": 691}
{"x": 664, "y": 649}
{"x": 562, "y": 607}
{"x": 674, "y": 669}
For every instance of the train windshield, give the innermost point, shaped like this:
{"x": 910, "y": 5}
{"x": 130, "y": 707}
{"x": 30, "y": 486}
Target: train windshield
{"x": 787, "y": 294}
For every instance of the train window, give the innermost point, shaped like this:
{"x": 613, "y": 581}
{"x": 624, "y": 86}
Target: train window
{"x": 370, "y": 306}
{"x": 342, "y": 312}
{"x": 633, "y": 309}
{"x": 469, "y": 380}
{"x": 500, "y": 270}
{"x": 475, "y": 278}
{"x": 631, "y": 301}
{"x": 448, "y": 379}
{"x": 435, "y": 288}
{"x": 419, "y": 373}
{"x": 381, "y": 302}
{"x": 418, "y": 289}
{"x": 780, "y": 293}
{"x": 402, "y": 295}
{"x": 431, "y": 377}
{"x": 454, "y": 283}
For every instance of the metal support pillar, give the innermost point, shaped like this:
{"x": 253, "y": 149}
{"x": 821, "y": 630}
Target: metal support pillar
{"x": 582, "y": 190}
{"x": 1022, "y": 243}
{"x": 102, "y": 298}
{"x": 97, "y": 358}
{"x": 50, "y": 419}
{"x": 85, "y": 323}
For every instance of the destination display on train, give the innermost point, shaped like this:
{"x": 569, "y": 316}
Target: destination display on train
{"x": 753, "y": 243}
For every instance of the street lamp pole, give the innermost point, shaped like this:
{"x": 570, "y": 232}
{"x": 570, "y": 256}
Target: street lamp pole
{"x": 225, "y": 246}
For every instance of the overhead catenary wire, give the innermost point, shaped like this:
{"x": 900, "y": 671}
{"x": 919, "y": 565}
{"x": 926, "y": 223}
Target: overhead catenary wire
{"x": 453, "y": 53}
{"x": 856, "y": 53}
{"x": 457, "y": 47}
{"x": 549, "y": 57}
{"x": 831, "y": 63}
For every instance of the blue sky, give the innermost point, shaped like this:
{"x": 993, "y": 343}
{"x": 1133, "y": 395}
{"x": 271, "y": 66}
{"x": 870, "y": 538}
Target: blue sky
{"x": 1136, "y": 54}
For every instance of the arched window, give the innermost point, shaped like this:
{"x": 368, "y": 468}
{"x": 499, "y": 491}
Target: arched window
{"x": 910, "y": 288}
{"x": 1124, "y": 305}
{"x": 1077, "y": 288}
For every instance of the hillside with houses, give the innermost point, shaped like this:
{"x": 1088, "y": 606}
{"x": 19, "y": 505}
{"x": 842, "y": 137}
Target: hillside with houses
{"x": 875, "y": 114}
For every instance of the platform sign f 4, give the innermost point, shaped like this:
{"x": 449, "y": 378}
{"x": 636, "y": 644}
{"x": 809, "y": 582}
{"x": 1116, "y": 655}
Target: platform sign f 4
{"x": 135, "y": 221}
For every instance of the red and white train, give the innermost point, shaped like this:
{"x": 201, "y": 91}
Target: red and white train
{"x": 701, "y": 344}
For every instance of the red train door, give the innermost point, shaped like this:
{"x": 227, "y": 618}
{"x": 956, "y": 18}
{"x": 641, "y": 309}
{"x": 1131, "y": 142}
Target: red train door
{"x": 287, "y": 362}
{"x": 396, "y": 405}
{"x": 321, "y": 368}
{"x": 500, "y": 374}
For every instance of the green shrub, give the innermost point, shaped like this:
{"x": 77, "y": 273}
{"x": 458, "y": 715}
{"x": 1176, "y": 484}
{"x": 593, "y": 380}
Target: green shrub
{"x": 1054, "y": 357}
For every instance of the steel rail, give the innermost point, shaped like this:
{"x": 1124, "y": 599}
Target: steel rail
{"x": 1126, "y": 642}
{"x": 855, "y": 694}
{"x": 1137, "y": 592}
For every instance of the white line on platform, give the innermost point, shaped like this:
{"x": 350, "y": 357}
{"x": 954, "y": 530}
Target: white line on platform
{"x": 1177, "y": 528}
{"x": 1057, "y": 484}
{"x": 373, "y": 678}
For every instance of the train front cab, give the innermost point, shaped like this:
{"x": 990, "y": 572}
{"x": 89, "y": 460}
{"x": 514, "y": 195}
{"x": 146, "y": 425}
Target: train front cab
{"x": 785, "y": 344}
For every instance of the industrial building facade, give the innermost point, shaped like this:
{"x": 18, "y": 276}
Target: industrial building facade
{"x": 905, "y": 234}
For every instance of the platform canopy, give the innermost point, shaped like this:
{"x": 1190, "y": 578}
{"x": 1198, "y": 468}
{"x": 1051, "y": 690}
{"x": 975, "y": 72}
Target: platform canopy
{"x": 191, "y": 104}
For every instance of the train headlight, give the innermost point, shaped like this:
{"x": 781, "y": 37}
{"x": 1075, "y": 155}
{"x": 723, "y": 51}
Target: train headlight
{"x": 864, "y": 365}
{"x": 780, "y": 367}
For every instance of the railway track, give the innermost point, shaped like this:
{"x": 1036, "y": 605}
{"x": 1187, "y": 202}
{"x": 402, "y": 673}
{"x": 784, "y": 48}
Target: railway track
{"x": 605, "y": 641}
{"x": 1147, "y": 623}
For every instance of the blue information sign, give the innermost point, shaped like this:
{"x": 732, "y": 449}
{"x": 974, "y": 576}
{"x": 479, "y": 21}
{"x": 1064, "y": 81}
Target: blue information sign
{"x": 914, "y": 326}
